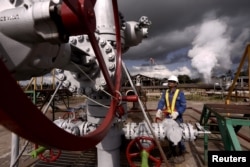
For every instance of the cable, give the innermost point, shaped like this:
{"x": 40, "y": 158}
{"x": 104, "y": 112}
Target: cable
{"x": 101, "y": 88}
{"x": 52, "y": 97}
{"x": 146, "y": 117}
{"x": 95, "y": 101}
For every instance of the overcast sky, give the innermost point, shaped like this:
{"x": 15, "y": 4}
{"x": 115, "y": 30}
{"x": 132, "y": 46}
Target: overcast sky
{"x": 192, "y": 37}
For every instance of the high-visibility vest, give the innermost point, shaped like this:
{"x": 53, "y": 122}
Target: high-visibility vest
{"x": 171, "y": 107}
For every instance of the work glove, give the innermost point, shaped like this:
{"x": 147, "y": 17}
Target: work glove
{"x": 174, "y": 115}
{"x": 158, "y": 114}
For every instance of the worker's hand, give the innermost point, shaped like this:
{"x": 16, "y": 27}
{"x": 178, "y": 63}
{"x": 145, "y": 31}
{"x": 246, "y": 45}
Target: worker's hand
{"x": 174, "y": 115}
{"x": 158, "y": 114}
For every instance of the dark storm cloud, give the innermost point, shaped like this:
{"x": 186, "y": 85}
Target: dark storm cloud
{"x": 175, "y": 24}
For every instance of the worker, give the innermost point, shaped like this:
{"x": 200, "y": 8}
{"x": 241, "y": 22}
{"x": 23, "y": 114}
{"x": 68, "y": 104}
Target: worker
{"x": 174, "y": 102}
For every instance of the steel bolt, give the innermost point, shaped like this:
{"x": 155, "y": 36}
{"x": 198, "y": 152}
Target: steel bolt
{"x": 111, "y": 57}
{"x": 66, "y": 83}
{"x": 103, "y": 82}
{"x": 88, "y": 49}
{"x": 72, "y": 88}
{"x": 61, "y": 77}
{"x": 59, "y": 70}
{"x": 102, "y": 43}
{"x": 111, "y": 66}
{"x": 108, "y": 50}
{"x": 56, "y": 1}
{"x": 81, "y": 38}
{"x": 73, "y": 41}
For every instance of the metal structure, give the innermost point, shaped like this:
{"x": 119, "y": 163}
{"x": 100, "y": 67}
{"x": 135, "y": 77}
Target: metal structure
{"x": 246, "y": 54}
{"x": 84, "y": 40}
{"x": 229, "y": 118}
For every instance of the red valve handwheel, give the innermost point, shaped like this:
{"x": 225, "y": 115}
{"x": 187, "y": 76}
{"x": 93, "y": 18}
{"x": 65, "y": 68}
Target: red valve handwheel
{"x": 72, "y": 10}
{"x": 53, "y": 156}
{"x": 138, "y": 142}
{"x": 13, "y": 119}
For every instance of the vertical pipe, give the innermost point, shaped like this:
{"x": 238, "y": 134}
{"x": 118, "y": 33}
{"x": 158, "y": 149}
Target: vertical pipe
{"x": 14, "y": 150}
{"x": 105, "y": 22}
{"x": 108, "y": 150}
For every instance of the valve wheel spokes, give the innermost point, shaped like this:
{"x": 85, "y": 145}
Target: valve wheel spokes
{"x": 138, "y": 143}
{"x": 53, "y": 156}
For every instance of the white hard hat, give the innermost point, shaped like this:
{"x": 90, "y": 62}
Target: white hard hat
{"x": 173, "y": 78}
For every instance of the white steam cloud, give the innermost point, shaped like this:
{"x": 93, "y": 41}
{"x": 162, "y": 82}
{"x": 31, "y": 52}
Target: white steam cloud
{"x": 211, "y": 48}
{"x": 159, "y": 71}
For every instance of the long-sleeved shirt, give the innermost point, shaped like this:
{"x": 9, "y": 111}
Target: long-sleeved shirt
{"x": 180, "y": 104}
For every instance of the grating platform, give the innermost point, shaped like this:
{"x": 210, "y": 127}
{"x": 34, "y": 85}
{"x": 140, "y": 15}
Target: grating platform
{"x": 72, "y": 159}
{"x": 79, "y": 159}
{"x": 87, "y": 159}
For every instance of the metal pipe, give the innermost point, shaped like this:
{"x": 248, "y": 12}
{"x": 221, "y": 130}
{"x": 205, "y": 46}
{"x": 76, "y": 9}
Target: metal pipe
{"x": 14, "y": 149}
{"x": 10, "y": 118}
{"x": 214, "y": 120}
{"x": 108, "y": 150}
{"x": 52, "y": 97}
{"x": 21, "y": 153}
{"x": 146, "y": 118}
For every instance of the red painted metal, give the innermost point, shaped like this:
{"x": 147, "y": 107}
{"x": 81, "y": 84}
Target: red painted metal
{"x": 71, "y": 21}
{"x": 132, "y": 98}
{"x": 19, "y": 115}
{"x": 120, "y": 111}
{"x": 118, "y": 48}
{"x": 118, "y": 71}
{"x": 77, "y": 10}
{"x": 52, "y": 157}
{"x": 137, "y": 142}
{"x": 27, "y": 121}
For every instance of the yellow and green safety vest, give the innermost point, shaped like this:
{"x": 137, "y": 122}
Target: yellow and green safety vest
{"x": 171, "y": 107}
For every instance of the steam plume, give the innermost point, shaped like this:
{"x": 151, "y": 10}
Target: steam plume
{"x": 211, "y": 48}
